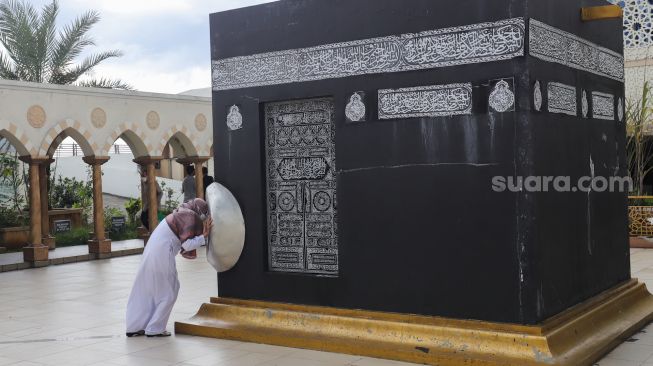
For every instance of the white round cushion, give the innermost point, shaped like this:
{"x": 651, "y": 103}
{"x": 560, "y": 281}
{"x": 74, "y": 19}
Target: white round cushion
{"x": 227, "y": 236}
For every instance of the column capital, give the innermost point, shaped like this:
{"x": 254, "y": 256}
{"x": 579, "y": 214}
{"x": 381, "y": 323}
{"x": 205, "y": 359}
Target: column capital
{"x": 193, "y": 160}
{"x": 36, "y": 159}
{"x": 144, "y": 160}
{"x": 95, "y": 160}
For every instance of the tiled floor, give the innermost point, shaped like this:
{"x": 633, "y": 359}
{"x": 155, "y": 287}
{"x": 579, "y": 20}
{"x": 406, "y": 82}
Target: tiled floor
{"x": 73, "y": 314}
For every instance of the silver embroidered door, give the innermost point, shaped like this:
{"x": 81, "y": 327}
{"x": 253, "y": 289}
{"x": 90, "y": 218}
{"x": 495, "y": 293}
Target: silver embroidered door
{"x": 301, "y": 186}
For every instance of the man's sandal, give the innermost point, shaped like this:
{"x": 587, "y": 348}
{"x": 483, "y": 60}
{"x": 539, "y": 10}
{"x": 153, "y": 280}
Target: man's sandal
{"x": 164, "y": 334}
{"x": 136, "y": 334}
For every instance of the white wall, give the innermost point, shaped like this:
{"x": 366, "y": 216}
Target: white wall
{"x": 120, "y": 175}
{"x": 151, "y": 119}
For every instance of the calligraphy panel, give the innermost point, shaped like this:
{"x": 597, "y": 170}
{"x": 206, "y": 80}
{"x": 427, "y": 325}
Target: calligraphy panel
{"x": 603, "y": 106}
{"x": 562, "y": 99}
{"x": 425, "y": 101}
{"x": 477, "y": 43}
{"x": 301, "y": 187}
{"x": 554, "y": 45}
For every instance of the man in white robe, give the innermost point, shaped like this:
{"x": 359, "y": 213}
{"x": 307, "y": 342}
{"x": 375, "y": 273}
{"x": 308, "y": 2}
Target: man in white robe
{"x": 156, "y": 286}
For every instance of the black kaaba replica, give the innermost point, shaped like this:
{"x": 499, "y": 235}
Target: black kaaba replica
{"x": 365, "y": 142}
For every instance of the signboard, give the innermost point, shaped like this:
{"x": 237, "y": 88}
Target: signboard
{"x": 62, "y": 226}
{"x": 118, "y": 224}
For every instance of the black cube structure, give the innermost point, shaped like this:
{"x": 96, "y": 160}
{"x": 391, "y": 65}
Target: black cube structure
{"x": 367, "y": 142}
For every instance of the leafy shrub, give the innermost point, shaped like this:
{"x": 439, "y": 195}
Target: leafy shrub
{"x": 69, "y": 193}
{"x": 170, "y": 204}
{"x": 132, "y": 206}
{"x": 14, "y": 180}
{"x": 79, "y": 236}
{"x": 641, "y": 202}
{"x": 9, "y": 217}
{"x": 110, "y": 212}
{"x": 131, "y": 232}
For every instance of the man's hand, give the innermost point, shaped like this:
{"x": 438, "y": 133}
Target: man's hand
{"x": 208, "y": 224}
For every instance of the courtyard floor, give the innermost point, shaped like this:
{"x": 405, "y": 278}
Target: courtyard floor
{"x": 78, "y": 253}
{"x": 73, "y": 314}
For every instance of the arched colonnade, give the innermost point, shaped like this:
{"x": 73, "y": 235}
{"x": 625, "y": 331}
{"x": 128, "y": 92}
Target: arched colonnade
{"x": 36, "y": 118}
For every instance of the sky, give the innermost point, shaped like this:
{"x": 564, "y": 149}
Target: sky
{"x": 165, "y": 42}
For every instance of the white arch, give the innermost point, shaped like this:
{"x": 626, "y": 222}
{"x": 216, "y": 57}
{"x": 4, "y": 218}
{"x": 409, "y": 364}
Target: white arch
{"x": 180, "y": 139}
{"x": 18, "y": 139}
{"x": 69, "y": 128}
{"x": 133, "y": 136}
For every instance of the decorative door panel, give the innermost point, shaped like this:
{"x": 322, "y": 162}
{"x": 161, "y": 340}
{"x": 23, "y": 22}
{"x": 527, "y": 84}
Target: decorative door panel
{"x": 301, "y": 186}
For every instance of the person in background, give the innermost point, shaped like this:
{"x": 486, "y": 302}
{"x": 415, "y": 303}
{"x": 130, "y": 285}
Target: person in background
{"x": 188, "y": 185}
{"x": 145, "y": 198}
{"x": 207, "y": 179}
{"x": 156, "y": 285}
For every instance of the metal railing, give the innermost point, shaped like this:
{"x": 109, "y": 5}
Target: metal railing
{"x": 640, "y": 217}
{"x": 67, "y": 150}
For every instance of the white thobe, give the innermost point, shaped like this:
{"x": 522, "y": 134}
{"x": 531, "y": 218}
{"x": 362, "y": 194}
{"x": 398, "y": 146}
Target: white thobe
{"x": 156, "y": 286}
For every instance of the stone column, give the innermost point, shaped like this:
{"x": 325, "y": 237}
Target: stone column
{"x": 199, "y": 180}
{"x": 99, "y": 246}
{"x": 35, "y": 252}
{"x": 153, "y": 209}
{"x": 48, "y": 240}
{"x": 148, "y": 163}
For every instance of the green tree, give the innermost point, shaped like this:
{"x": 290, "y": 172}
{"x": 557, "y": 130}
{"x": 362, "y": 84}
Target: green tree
{"x": 35, "y": 50}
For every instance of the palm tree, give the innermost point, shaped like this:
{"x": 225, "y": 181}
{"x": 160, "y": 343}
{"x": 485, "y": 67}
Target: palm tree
{"x": 35, "y": 51}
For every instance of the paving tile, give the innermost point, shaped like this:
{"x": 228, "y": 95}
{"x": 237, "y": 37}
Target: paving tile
{"x": 74, "y": 315}
{"x": 249, "y": 359}
{"x": 124, "y": 345}
{"x": 223, "y": 356}
{"x": 173, "y": 352}
{"x": 264, "y": 348}
{"x": 323, "y": 356}
{"x": 77, "y": 357}
{"x": 378, "y": 362}
{"x": 33, "y": 351}
{"x": 7, "y": 361}
{"x": 632, "y": 352}
{"x": 43, "y": 332}
{"x": 616, "y": 362}
{"x": 289, "y": 361}
{"x": 131, "y": 360}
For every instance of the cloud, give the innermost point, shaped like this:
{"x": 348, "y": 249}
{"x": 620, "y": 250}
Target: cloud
{"x": 133, "y": 8}
{"x": 152, "y": 8}
{"x": 165, "y": 42}
{"x": 149, "y": 76}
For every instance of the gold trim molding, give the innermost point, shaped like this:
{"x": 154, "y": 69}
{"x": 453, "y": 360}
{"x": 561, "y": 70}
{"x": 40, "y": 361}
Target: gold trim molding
{"x": 601, "y": 12}
{"x": 579, "y": 336}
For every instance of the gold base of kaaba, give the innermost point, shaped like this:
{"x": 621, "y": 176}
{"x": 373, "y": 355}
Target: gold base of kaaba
{"x": 579, "y": 336}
